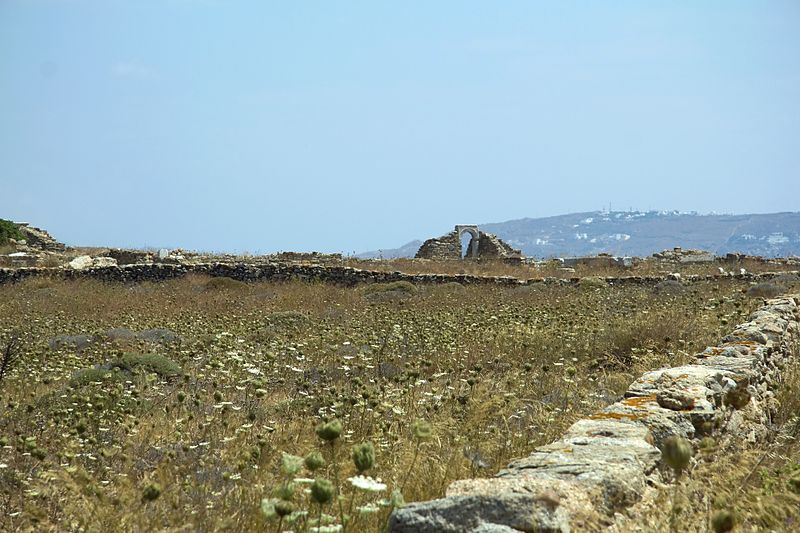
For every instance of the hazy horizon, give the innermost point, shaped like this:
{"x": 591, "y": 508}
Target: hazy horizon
{"x": 259, "y": 126}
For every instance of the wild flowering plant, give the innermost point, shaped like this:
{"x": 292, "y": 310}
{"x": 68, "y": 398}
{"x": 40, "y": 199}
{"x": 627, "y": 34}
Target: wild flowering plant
{"x": 331, "y": 505}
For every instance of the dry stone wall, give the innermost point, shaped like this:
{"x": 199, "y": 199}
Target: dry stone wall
{"x": 604, "y": 463}
{"x": 341, "y": 275}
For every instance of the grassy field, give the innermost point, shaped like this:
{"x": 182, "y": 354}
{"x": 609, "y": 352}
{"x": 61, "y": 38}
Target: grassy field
{"x": 228, "y": 419}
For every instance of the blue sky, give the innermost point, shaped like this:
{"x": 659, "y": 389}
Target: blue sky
{"x": 348, "y": 126}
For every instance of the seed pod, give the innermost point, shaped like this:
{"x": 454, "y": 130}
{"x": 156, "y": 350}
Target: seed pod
{"x": 283, "y": 508}
{"x": 677, "y": 452}
{"x": 364, "y": 456}
{"x": 151, "y": 492}
{"x": 422, "y": 430}
{"x": 329, "y": 431}
{"x": 291, "y": 464}
{"x": 314, "y": 461}
{"x": 322, "y": 491}
{"x": 723, "y": 521}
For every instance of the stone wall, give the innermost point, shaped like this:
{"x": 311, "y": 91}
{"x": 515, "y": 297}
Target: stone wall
{"x": 341, "y": 275}
{"x": 604, "y": 463}
{"x": 39, "y": 238}
{"x": 444, "y": 247}
{"x": 492, "y": 246}
{"x": 599, "y": 261}
{"x": 130, "y": 257}
{"x": 679, "y": 255}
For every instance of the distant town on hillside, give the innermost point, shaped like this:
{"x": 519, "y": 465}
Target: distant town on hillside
{"x": 637, "y": 233}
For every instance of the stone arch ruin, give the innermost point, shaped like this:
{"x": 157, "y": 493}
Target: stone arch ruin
{"x": 472, "y": 229}
{"x": 482, "y": 245}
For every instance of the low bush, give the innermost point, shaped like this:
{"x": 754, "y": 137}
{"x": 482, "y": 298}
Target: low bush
{"x": 395, "y": 286}
{"x": 9, "y": 230}
{"x": 592, "y": 283}
{"x": 86, "y": 376}
{"x": 764, "y": 290}
{"x": 669, "y": 286}
{"x": 151, "y": 362}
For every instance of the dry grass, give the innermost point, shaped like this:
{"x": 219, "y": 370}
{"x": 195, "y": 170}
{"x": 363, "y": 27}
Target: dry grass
{"x": 647, "y": 267}
{"x": 493, "y": 371}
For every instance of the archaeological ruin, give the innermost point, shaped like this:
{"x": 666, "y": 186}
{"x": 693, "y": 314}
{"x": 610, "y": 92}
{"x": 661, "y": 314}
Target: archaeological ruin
{"x": 481, "y": 246}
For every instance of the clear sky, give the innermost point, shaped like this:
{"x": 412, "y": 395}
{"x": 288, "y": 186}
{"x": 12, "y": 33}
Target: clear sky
{"x": 348, "y": 126}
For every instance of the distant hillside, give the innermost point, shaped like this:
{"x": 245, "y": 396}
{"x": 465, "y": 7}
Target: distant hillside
{"x": 638, "y": 233}
{"x": 407, "y": 250}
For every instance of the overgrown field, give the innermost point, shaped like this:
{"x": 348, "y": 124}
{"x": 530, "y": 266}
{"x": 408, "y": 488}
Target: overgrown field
{"x": 187, "y": 405}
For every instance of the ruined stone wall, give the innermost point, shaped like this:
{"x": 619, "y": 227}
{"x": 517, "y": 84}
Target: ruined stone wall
{"x": 603, "y": 464}
{"x": 444, "y": 247}
{"x": 599, "y": 261}
{"x": 679, "y": 255}
{"x": 39, "y": 238}
{"x": 449, "y": 247}
{"x": 340, "y": 275}
{"x": 492, "y": 246}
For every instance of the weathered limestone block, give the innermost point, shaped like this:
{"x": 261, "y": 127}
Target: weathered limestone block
{"x": 746, "y": 332}
{"x": 497, "y": 512}
{"x": 81, "y": 262}
{"x": 609, "y": 459}
{"x": 103, "y": 262}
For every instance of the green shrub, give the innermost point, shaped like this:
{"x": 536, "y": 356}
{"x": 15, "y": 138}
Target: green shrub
{"x": 9, "y": 230}
{"x": 592, "y": 283}
{"x": 669, "y": 286}
{"x": 395, "y": 286}
{"x": 85, "y": 376}
{"x": 151, "y": 362}
{"x": 764, "y": 290}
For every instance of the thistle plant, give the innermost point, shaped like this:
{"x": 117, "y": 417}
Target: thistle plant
{"x": 422, "y": 432}
{"x": 314, "y": 461}
{"x": 329, "y": 433}
{"x": 285, "y": 505}
{"x": 677, "y": 453}
{"x": 364, "y": 456}
{"x": 723, "y": 521}
{"x": 151, "y": 492}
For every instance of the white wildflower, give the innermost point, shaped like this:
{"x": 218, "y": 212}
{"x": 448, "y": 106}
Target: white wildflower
{"x": 367, "y": 484}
